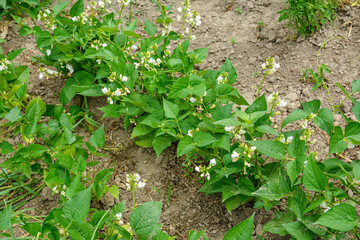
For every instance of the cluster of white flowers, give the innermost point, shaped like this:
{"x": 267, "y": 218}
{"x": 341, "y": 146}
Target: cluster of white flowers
{"x": 124, "y": 2}
{"x": 45, "y": 72}
{"x": 287, "y": 140}
{"x": 123, "y": 78}
{"x": 133, "y": 181}
{"x": 59, "y": 189}
{"x": 46, "y": 17}
{"x": 119, "y": 217}
{"x": 97, "y": 44}
{"x": 270, "y": 66}
{"x": 156, "y": 62}
{"x": 222, "y": 78}
{"x": 4, "y": 63}
{"x": 205, "y": 170}
{"x": 82, "y": 18}
{"x": 276, "y": 100}
{"x": 70, "y": 68}
{"x": 238, "y": 132}
{"x": 191, "y": 17}
{"x": 192, "y": 131}
{"x": 235, "y": 156}
{"x": 167, "y": 29}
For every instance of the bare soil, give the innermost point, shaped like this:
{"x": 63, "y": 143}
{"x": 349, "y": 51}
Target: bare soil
{"x": 189, "y": 209}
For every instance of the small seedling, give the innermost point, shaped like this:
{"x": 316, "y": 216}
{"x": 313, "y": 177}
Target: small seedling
{"x": 233, "y": 41}
{"x": 260, "y": 25}
{"x": 239, "y": 10}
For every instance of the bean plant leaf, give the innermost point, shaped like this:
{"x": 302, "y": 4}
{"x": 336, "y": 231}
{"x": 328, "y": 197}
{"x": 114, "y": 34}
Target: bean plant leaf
{"x": 78, "y": 206}
{"x": 311, "y": 107}
{"x": 229, "y": 68}
{"x": 355, "y": 85}
{"x": 242, "y": 231}
{"x": 5, "y": 218}
{"x": 160, "y": 144}
{"x": 144, "y": 218}
{"x": 352, "y": 132}
{"x": 228, "y": 122}
{"x": 13, "y": 54}
{"x": 203, "y": 139}
{"x": 13, "y": 115}
{"x": 324, "y": 120}
{"x": 77, "y": 8}
{"x": 171, "y": 109}
{"x": 150, "y": 28}
{"x": 340, "y": 217}
{"x": 270, "y": 148}
{"x": 337, "y": 143}
{"x": 275, "y": 225}
{"x": 185, "y": 146}
{"x": 314, "y": 179}
{"x": 59, "y": 7}
{"x": 294, "y": 167}
{"x": 356, "y": 111}
{"x": 98, "y": 138}
{"x": 294, "y": 116}
{"x": 299, "y": 230}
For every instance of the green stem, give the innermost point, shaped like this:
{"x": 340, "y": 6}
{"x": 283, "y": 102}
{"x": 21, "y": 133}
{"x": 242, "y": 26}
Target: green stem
{"x": 133, "y": 195}
{"x": 259, "y": 88}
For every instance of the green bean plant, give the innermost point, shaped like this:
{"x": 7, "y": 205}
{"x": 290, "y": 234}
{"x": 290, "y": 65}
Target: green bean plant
{"x": 306, "y": 16}
{"x": 12, "y": 8}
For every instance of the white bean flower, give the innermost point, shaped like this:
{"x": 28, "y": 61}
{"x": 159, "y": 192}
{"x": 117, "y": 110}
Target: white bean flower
{"x": 48, "y": 52}
{"x": 213, "y": 162}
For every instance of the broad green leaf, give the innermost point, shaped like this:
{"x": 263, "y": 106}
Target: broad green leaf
{"x": 195, "y": 235}
{"x": 275, "y": 225}
{"x": 44, "y": 39}
{"x": 228, "y": 122}
{"x": 34, "y": 112}
{"x": 270, "y": 190}
{"x": 355, "y": 85}
{"x": 80, "y": 230}
{"x": 297, "y": 147}
{"x": 294, "y": 116}
{"x": 175, "y": 63}
{"x": 270, "y": 148}
{"x": 171, "y": 109}
{"x": 314, "y": 179}
{"x": 13, "y": 115}
{"x": 131, "y": 34}
{"x": 59, "y": 7}
{"x": 229, "y": 68}
{"x": 98, "y": 138}
{"x": 160, "y": 144}
{"x": 297, "y": 203}
{"x": 77, "y": 8}
{"x": 267, "y": 129}
{"x": 203, "y": 139}
{"x": 140, "y": 130}
{"x": 13, "y": 54}
{"x": 324, "y": 120}
{"x": 311, "y": 107}
{"x": 150, "y": 28}
{"x": 75, "y": 187}
{"x": 337, "y": 143}
{"x": 294, "y": 167}
{"x": 259, "y": 105}
{"x": 242, "y": 231}
{"x": 185, "y": 146}
{"x": 61, "y": 34}
{"x": 5, "y": 218}
{"x": 78, "y": 206}
{"x": 299, "y": 231}
{"x": 144, "y": 218}
{"x": 340, "y": 217}
{"x": 352, "y": 132}
{"x": 356, "y": 111}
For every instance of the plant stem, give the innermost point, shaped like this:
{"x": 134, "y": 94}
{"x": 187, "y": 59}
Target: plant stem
{"x": 133, "y": 195}
{"x": 259, "y": 88}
